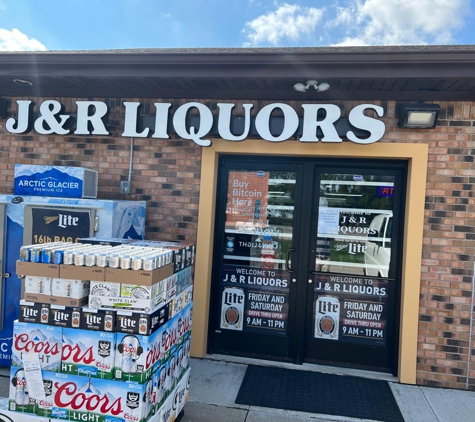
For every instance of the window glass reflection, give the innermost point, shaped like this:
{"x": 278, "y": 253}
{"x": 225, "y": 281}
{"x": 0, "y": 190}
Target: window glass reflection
{"x": 355, "y": 220}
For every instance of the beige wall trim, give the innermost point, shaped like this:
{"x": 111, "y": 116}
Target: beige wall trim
{"x": 415, "y": 154}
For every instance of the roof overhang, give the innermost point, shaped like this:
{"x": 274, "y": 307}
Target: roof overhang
{"x": 427, "y": 73}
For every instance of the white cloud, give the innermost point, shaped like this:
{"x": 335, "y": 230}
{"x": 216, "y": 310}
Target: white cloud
{"x": 15, "y": 40}
{"x": 398, "y": 22}
{"x": 288, "y": 22}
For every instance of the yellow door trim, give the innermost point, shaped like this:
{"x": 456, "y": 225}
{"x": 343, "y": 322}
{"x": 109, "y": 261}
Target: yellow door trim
{"x": 415, "y": 154}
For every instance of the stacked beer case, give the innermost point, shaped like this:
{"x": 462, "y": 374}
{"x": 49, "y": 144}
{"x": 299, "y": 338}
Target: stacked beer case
{"x": 123, "y": 356}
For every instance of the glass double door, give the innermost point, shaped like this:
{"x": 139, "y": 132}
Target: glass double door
{"x": 306, "y": 261}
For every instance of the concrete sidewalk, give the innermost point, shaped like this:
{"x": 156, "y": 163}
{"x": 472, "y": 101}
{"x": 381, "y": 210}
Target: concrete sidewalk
{"x": 215, "y": 384}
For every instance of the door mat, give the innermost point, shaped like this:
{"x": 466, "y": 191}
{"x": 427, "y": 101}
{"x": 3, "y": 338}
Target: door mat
{"x": 314, "y": 392}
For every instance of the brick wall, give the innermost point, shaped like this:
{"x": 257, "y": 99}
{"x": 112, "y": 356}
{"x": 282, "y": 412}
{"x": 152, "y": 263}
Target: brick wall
{"x": 166, "y": 173}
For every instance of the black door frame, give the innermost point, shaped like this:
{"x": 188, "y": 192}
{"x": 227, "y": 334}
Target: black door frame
{"x": 310, "y": 166}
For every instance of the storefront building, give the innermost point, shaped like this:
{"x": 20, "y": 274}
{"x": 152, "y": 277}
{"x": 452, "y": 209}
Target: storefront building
{"x": 330, "y": 228}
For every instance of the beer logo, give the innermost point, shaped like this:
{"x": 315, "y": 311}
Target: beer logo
{"x": 327, "y": 324}
{"x": 358, "y": 178}
{"x": 232, "y": 315}
{"x": 232, "y": 309}
{"x": 49, "y": 219}
{"x": 17, "y": 200}
{"x": 132, "y": 401}
{"x": 48, "y": 386}
{"x": 261, "y": 173}
{"x": 104, "y": 348}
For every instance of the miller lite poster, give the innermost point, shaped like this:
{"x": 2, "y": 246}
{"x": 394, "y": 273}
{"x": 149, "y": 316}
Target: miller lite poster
{"x": 232, "y": 308}
{"x": 351, "y": 308}
{"x": 254, "y": 299}
{"x": 52, "y": 225}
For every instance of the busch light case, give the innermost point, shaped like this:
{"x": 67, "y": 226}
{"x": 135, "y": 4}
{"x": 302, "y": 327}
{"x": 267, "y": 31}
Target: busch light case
{"x": 34, "y": 312}
{"x": 19, "y": 398}
{"x": 65, "y": 182}
{"x": 43, "y": 340}
{"x": 88, "y": 353}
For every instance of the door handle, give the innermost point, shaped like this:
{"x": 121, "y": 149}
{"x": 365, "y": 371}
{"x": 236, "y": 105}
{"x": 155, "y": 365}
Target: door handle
{"x": 287, "y": 260}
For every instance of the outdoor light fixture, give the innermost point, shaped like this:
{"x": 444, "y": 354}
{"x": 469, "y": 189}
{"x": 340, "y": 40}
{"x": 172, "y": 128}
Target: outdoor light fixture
{"x": 312, "y": 82}
{"x": 422, "y": 116}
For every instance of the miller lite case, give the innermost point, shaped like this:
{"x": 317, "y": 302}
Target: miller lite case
{"x": 19, "y": 398}
{"x": 144, "y": 323}
{"x": 63, "y": 316}
{"x": 97, "y": 319}
{"x": 43, "y": 340}
{"x": 33, "y": 312}
{"x": 327, "y": 317}
{"x": 232, "y": 308}
{"x": 88, "y": 353}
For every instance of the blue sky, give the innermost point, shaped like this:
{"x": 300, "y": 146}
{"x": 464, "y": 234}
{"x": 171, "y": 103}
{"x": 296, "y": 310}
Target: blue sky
{"x": 112, "y": 24}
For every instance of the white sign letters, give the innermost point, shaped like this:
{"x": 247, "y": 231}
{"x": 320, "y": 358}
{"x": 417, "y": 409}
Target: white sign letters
{"x": 91, "y": 114}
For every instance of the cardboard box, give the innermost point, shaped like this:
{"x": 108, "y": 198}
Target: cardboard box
{"x": 176, "y": 400}
{"x": 135, "y": 357}
{"x": 98, "y": 319}
{"x": 45, "y": 406}
{"x": 37, "y": 285}
{"x": 88, "y": 353}
{"x": 36, "y": 269}
{"x": 18, "y": 398}
{"x": 140, "y": 277}
{"x": 66, "y": 301}
{"x": 180, "y": 301}
{"x": 107, "y": 400}
{"x": 184, "y": 279}
{"x": 33, "y": 312}
{"x": 105, "y": 288}
{"x": 143, "y": 292}
{"x": 141, "y": 323}
{"x": 74, "y": 272}
{"x": 43, "y": 340}
{"x": 140, "y": 305}
{"x": 73, "y": 289}
{"x": 55, "y": 300}
{"x": 65, "y": 316}
{"x": 106, "y": 241}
